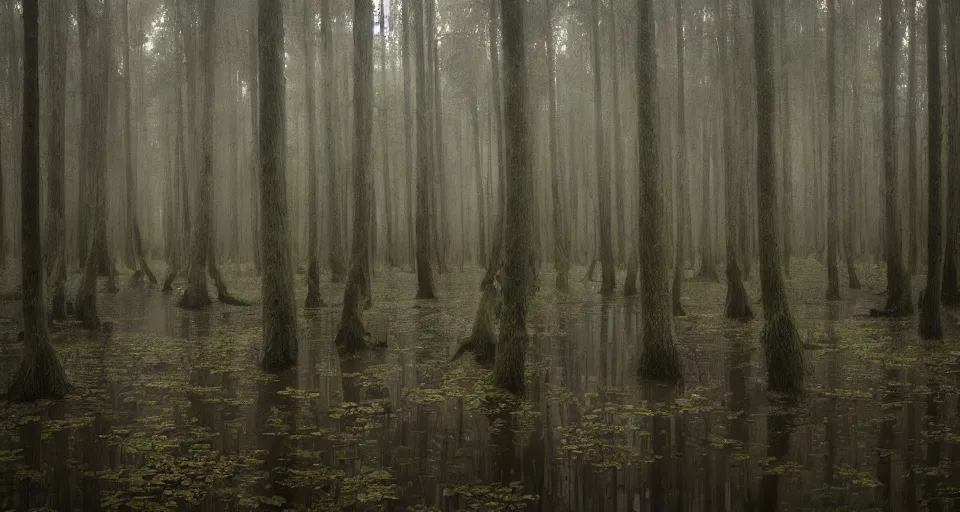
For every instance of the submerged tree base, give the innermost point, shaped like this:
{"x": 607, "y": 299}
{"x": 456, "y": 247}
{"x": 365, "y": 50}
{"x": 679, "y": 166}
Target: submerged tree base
{"x": 929, "y": 325}
{"x": 833, "y": 292}
{"x": 510, "y": 362}
{"x": 737, "y": 306}
{"x": 194, "y": 299}
{"x": 352, "y": 336}
{"x": 660, "y": 360}
{"x": 482, "y": 341}
{"x": 86, "y": 311}
{"x": 280, "y": 354}
{"x": 898, "y": 306}
{"x": 313, "y": 300}
{"x": 39, "y": 376}
{"x": 784, "y": 355}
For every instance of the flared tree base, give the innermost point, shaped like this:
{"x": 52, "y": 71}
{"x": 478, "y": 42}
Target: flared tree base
{"x": 737, "y": 307}
{"x": 87, "y": 311}
{"x": 784, "y": 355}
{"x": 562, "y": 282}
{"x": 833, "y": 292}
{"x": 678, "y": 309}
{"x": 40, "y": 376}
{"x": 194, "y": 298}
{"x": 898, "y": 306}
{"x": 281, "y": 353}
{"x": 482, "y": 340}
{"x": 929, "y": 324}
{"x": 58, "y": 310}
{"x": 660, "y": 361}
{"x": 313, "y": 300}
{"x": 351, "y": 337}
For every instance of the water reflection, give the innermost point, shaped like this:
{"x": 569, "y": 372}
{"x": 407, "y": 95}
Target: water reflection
{"x": 179, "y": 393}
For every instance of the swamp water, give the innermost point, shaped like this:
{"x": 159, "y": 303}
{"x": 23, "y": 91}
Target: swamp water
{"x": 171, "y": 411}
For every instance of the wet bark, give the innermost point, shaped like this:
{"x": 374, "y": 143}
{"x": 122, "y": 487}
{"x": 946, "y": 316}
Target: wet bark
{"x": 351, "y": 335}
{"x": 660, "y": 360}
{"x": 833, "y": 186}
{"x": 134, "y": 237}
{"x": 510, "y": 359}
{"x": 279, "y": 304}
{"x": 683, "y": 209}
{"x": 56, "y": 251}
{"x": 619, "y": 173}
{"x": 898, "y": 285}
{"x": 313, "y": 299}
{"x": 856, "y": 169}
{"x": 913, "y": 173}
{"x": 40, "y": 373}
{"x": 784, "y": 355}
{"x": 608, "y": 276}
{"x": 425, "y": 170}
{"x": 388, "y": 192}
{"x": 951, "y": 279}
{"x": 408, "y": 122}
{"x": 929, "y": 323}
{"x": 787, "y": 141}
{"x": 337, "y": 266}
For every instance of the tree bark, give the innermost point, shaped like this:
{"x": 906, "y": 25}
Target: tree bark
{"x": 660, "y": 360}
{"x": 56, "y": 221}
{"x": 683, "y": 209}
{"x": 898, "y": 284}
{"x": 313, "y": 299}
{"x": 833, "y": 185}
{"x": 784, "y": 354}
{"x": 337, "y": 265}
{"x": 425, "y": 170}
{"x": 951, "y": 279}
{"x": 856, "y": 170}
{"x": 929, "y": 324}
{"x": 388, "y": 189}
{"x": 511, "y": 350}
{"x": 135, "y": 239}
{"x": 608, "y": 276}
{"x": 913, "y": 173}
{"x": 787, "y": 141}
{"x": 737, "y": 304}
{"x": 279, "y": 304}
{"x": 352, "y": 335}
{"x": 561, "y": 255}
{"x": 40, "y": 373}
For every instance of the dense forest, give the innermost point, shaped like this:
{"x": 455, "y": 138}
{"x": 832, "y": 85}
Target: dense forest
{"x": 479, "y": 254}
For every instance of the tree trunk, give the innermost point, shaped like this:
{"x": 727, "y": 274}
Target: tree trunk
{"x": 898, "y": 284}
{"x": 254, "y": 98}
{"x": 424, "y": 160}
{"x": 561, "y": 256}
{"x": 388, "y": 188}
{"x": 95, "y": 118}
{"x": 708, "y": 266}
{"x": 279, "y": 304}
{"x": 784, "y": 354}
{"x": 856, "y": 170}
{"x": 618, "y": 167}
{"x": 180, "y": 178}
{"x": 683, "y": 209}
{"x": 833, "y": 185}
{"x": 510, "y": 359}
{"x": 134, "y": 239}
{"x": 313, "y": 299}
{"x": 787, "y": 142}
{"x": 337, "y": 266}
{"x": 659, "y": 360}
{"x": 438, "y": 222}
{"x": 608, "y": 275}
{"x": 352, "y": 335}
{"x": 737, "y": 304}
{"x": 40, "y": 373}
{"x": 56, "y": 221}
{"x": 929, "y": 324}
{"x": 408, "y": 122}
{"x": 913, "y": 174}
{"x": 951, "y": 280}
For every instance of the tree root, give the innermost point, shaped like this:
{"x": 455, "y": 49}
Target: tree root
{"x": 737, "y": 305}
{"x": 898, "y": 306}
{"x": 222, "y": 294}
{"x": 352, "y": 336}
{"x": 193, "y": 300}
{"x": 784, "y": 355}
{"x": 171, "y": 275}
{"x": 40, "y": 375}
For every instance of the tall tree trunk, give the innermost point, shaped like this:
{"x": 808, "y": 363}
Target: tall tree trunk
{"x": 134, "y": 239}
{"x": 352, "y": 335}
{"x": 337, "y": 265}
{"x": 279, "y": 304}
{"x": 737, "y": 304}
{"x": 254, "y": 98}
{"x": 438, "y": 224}
{"x": 95, "y": 117}
{"x": 784, "y": 354}
{"x": 425, "y": 171}
{"x": 313, "y": 299}
{"x": 913, "y": 173}
{"x": 56, "y": 221}
{"x": 608, "y": 275}
{"x": 683, "y": 210}
{"x": 929, "y": 324}
{"x": 40, "y": 373}
{"x": 478, "y": 169}
{"x": 561, "y": 256}
{"x": 659, "y": 359}
{"x": 388, "y": 188}
{"x": 618, "y": 167}
{"x": 951, "y": 279}
{"x": 180, "y": 190}
{"x": 898, "y": 284}
{"x": 511, "y": 350}
{"x": 854, "y": 173}
{"x": 787, "y": 141}
{"x": 833, "y": 185}
{"x": 408, "y": 124}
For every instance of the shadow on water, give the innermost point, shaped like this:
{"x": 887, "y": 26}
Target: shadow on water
{"x": 173, "y": 412}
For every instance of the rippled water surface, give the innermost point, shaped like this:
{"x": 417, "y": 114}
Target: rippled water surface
{"x": 171, "y": 411}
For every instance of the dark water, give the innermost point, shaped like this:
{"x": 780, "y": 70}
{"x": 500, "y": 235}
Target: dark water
{"x": 172, "y": 413}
